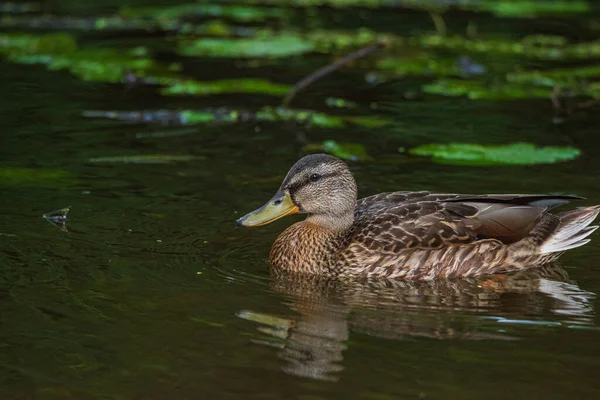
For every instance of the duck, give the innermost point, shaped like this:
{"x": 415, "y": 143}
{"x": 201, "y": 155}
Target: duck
{"x": 413, "y": 235}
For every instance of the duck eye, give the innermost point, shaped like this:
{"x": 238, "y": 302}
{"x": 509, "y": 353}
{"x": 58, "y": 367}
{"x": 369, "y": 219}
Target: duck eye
{"x": 315, "y": 177}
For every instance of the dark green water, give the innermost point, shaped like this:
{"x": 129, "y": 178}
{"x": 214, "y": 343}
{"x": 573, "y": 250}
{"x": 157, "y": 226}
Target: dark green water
{"x": 154, "y": 293}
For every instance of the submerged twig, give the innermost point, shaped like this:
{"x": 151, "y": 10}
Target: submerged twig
{"x": 328, "y": 69}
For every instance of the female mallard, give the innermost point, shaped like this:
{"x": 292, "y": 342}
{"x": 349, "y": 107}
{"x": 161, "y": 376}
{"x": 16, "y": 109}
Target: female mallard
{"x": 412, "y": 235}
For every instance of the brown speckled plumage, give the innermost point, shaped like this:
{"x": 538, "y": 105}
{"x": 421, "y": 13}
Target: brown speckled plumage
{"x": 418, "y": 235}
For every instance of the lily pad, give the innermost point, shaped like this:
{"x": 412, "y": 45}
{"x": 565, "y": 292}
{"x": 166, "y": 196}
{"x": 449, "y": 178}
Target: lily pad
{"x": 60, "y": 51}
{"x": 554, "y": 77}
{"x": 253, "y": 86}
{"x": 525, "y": 47}
{"x": 275, "y": 46}
{"x": 510, "y": 154}
{"x": 531, "y": 8}
{"x": 37, "y": 44}
{"x": 234, "y": 12}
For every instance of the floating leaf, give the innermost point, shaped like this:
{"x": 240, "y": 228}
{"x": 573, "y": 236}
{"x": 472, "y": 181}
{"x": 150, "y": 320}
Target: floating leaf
{"x": 60, "y": 52}
{"x": 525, "y": 47}
{"x": 178, "y": 11}
{"x": 477, "y": 154}
{"x": 276, "y": 46}
{"x": 37, "y": 44}
{"x": 503, "y": 8}
{"x": 554, "y": 77}
{"x": 346, "y": 151}
{"x": 266, "y": 42}
{"x": 530, "y": 8}
{"x": 103, "y": 65}
{"x": 254, "y": 86}
{"x": 528, "y": 86}
{"x": 368, "y": 122}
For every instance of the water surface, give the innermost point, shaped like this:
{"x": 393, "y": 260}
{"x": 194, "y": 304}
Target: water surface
{"x": 152, "y": 292}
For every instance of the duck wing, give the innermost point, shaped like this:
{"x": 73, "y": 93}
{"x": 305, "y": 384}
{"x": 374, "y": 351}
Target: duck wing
{"x": 390, "y": 222}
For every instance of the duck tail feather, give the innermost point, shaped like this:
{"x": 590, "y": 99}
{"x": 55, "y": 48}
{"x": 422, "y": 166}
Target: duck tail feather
{"x": 572, "y": 231}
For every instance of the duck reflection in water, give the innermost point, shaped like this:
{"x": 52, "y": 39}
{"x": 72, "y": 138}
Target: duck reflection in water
{"x": 312, "y": 343}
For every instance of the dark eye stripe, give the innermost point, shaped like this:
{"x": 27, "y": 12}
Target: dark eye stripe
{"x": 307, "y": 181}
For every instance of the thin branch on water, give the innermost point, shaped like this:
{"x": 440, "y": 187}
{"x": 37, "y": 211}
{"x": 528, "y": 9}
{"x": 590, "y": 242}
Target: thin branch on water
{"x": 328, "y": 69}
{"x": 440, "y": 24}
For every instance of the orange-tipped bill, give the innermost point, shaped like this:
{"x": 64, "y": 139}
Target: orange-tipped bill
{"x": 278, "y": 207}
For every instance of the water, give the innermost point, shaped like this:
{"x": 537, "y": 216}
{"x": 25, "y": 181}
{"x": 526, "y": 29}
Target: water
{"x": 154, "y": 293}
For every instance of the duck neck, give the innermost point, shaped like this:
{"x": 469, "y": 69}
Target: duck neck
{"x": 334, "y": 224}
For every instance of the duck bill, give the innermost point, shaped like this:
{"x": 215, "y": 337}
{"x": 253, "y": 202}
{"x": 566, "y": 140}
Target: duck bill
{"x": 278, "y": 207}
